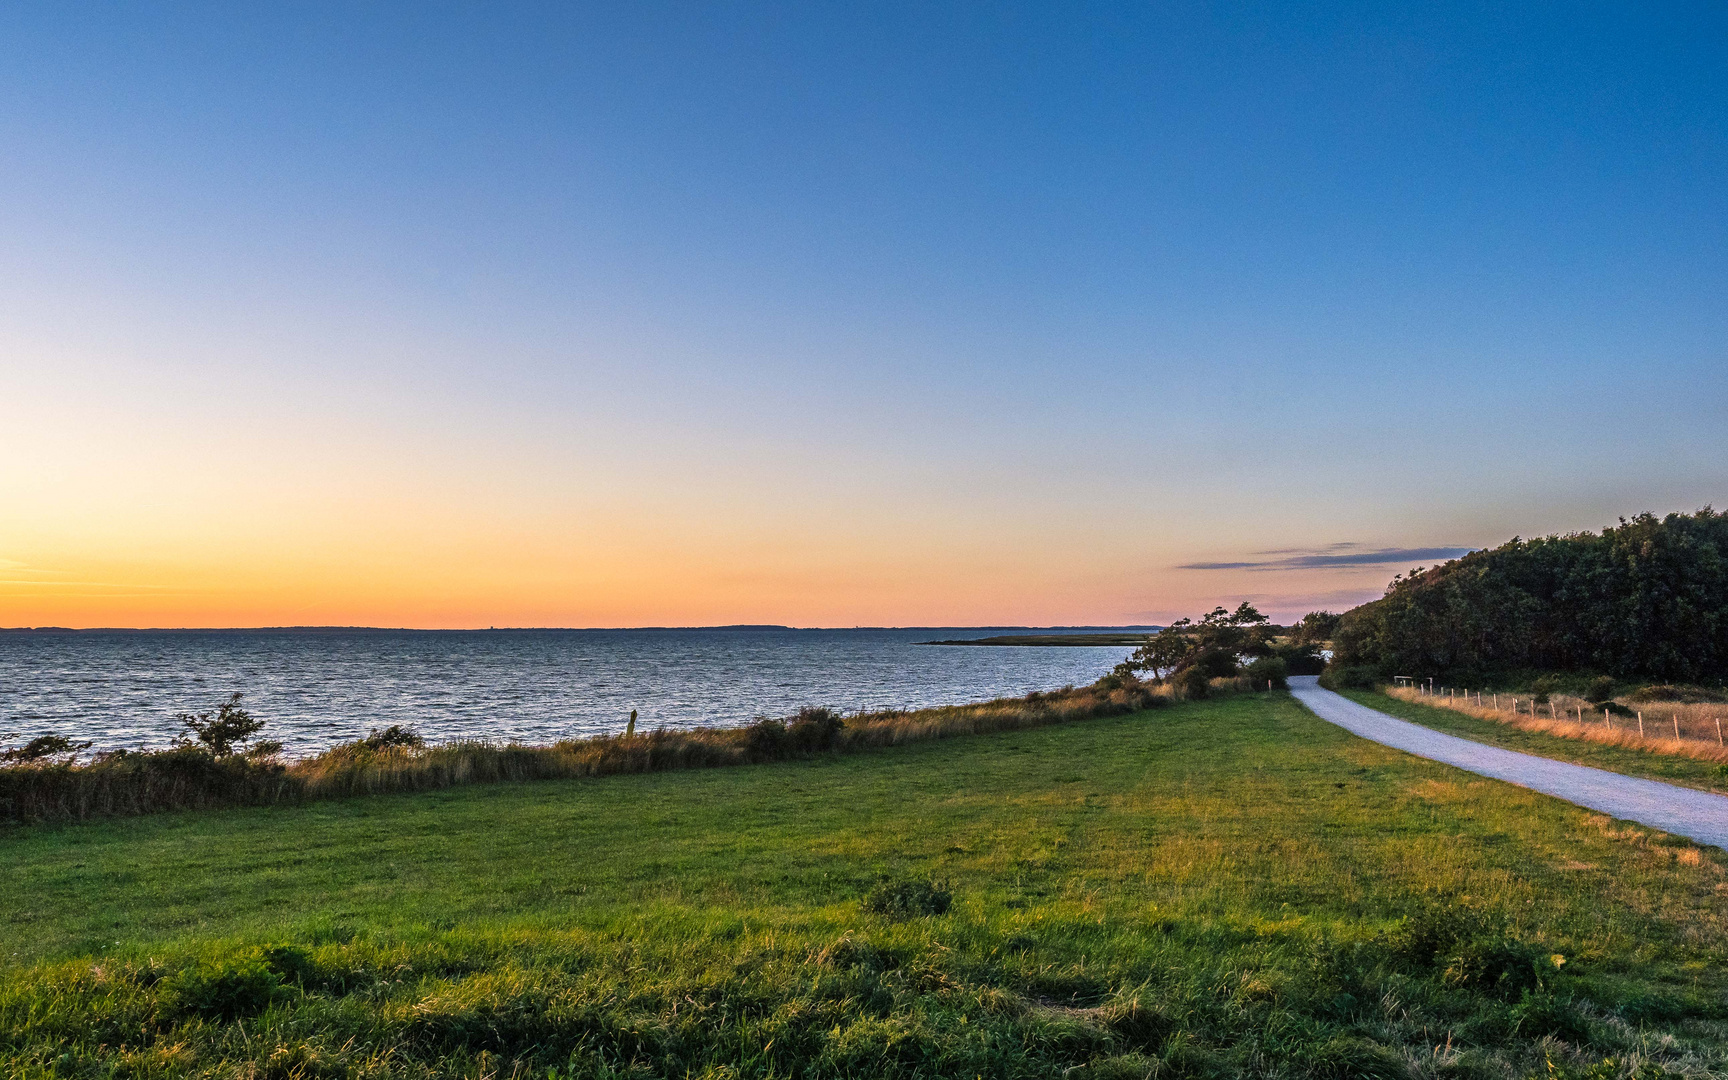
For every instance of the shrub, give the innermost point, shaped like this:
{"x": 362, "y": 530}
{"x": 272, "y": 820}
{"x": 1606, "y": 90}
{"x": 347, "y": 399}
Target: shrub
{"x": 43, "y": 750}
{"x": 909, "y": 898}
{"x": 223, "y": 731}
{"x": 1541, "y": 1012}
{"x": 1601, "y": 690}
{"x": 1545, "y": 687}
{"x": 228, "y": 990}
{"x": 1194, "y": 683}
{"x": 290, "y": 964}
{"x": 392, "y": 737}
{"x": 1683, "y": 695}
{"x": 765, "y": 739}
{"x": 1268, "y": 669}
{"x": 1498, "y": 966}
{"x": 814, "y": 729}
{"x": 1302, "y": 659}
{"x": 1349, "y": 677}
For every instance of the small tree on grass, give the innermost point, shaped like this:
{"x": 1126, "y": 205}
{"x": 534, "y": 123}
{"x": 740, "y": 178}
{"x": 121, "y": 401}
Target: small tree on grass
{"x": 224, "y": 731}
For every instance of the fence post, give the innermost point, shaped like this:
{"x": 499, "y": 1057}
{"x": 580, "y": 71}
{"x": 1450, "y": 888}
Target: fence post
{"x": 1719, "y": 731}
{"x": 1676, "y": 727}
{"x": 1640, "y": 725}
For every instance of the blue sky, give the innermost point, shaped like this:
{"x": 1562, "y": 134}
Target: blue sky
{"x": 465, "y": 315}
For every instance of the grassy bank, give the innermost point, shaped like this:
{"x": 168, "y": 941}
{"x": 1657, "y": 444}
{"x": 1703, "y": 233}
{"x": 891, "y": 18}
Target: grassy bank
{"x": 191, "y": 777}
{"x": 1692, "y": 763}
{"x": 1213, "y": 889}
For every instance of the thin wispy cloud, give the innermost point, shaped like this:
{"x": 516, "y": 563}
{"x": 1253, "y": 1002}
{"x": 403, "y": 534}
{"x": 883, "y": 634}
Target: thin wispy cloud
{"x": 14, "y": 574}
{"x": 1333, "y": 557}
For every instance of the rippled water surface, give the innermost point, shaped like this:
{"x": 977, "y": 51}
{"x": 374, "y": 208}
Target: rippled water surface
{"x": 313, "y": 689}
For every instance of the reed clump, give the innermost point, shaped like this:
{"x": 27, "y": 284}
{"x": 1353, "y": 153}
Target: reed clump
{"x": 191, "y": 776}
{"x": 1675, "y": 728}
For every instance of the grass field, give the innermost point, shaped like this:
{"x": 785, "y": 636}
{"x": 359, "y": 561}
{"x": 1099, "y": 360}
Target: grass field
{"x": 1218, "y": 888}
{"x": 1674, "y": 768}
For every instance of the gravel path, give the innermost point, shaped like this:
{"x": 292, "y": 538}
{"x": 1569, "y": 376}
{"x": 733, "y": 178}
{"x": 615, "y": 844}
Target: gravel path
{"x": 1697, "y": 815}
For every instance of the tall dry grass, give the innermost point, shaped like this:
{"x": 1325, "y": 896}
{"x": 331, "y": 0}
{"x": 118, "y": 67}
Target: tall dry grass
{"x": 1677, "y": 729}
{"x": 139, "y": 783}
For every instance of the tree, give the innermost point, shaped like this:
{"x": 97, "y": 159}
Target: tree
{"x": 1214, "y": 644}
{"x": 1646, "y": 599}
{"x": 1316, "y": 627}
{"x": 224, "y": 731}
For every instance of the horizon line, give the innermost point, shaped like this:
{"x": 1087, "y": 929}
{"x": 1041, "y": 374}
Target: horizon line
{"x": 317, "y": 629}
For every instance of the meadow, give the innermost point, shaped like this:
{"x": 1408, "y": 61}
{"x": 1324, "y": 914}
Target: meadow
{"x": 1216, "y": 888}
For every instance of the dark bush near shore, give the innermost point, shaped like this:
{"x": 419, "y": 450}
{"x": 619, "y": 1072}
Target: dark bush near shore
{"x": 201, "y": 775}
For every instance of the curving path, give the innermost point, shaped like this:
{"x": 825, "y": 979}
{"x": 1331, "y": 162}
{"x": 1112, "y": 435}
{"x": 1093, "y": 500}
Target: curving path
{"x": 1697, "y": 815}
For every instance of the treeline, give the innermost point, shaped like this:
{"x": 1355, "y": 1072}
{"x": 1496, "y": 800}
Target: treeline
{"x": 1647, "y": 599}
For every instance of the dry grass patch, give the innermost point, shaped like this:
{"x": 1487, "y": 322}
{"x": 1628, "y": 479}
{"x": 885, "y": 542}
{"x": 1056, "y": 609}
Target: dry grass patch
{"x": 1695, "y": 723}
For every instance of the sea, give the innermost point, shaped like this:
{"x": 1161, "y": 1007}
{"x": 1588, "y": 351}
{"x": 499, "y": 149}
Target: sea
{"x": 314, "y": 688}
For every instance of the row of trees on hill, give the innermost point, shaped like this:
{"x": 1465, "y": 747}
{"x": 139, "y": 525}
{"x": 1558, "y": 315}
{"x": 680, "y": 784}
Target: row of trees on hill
{"x": 1645, "y": 599}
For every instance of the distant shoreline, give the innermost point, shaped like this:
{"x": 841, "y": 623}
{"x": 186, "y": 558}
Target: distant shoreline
{"x": 1130, "y": 634}
{"x": 1054, "y": 640}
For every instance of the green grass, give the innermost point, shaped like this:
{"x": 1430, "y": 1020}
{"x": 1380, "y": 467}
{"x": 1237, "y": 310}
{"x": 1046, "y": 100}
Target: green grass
{"x": 1691, "y": 772}
{"x": 1223, "y": 888}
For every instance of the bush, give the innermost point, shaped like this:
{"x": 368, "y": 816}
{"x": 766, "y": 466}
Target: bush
{"x": 228, "y": 990}
{"x": 224, "y": 731}
{"x": 392, "y": 737}
{"x": 909, "y": 898}
{"x": 1268, "y": 669}
{"x": 1601, "y": 690}
{"x": 765, "y": 739}
{"x": 1302, "y": 659}
{"x": 1194, "y": 683}
{"x": 1544, "y": 688}
{"x": 1540, "y": 1012}
{"x": 1683, "y": 695}
{"x": 1216, "y": 663}
{"x": 813, "y": 729}
{"x": 43, "y": 750}
{"x": 1349, "y": 677}
{"x": 1498, "y": 966}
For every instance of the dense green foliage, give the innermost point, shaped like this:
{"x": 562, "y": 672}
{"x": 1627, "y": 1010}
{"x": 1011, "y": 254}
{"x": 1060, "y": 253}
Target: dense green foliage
{"x": 1223, "y": 644}
{"x": 1224, "y": 888}
{"x": 1647, "y": 599}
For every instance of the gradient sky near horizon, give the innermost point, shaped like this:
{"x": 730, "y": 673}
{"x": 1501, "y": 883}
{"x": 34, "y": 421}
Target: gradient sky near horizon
{"x": 823, "y": 314}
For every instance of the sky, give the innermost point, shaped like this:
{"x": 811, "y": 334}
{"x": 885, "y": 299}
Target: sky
{"x": 449, "y": 315}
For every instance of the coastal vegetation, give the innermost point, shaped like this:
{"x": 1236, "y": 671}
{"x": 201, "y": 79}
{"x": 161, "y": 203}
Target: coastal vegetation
{"x": 1218, "y": 888}
{"x": 1131, "y": 637}
{"x": 1223, "y": 644}
{"x": 214, "y": 765}
{"x": 1646, "y": 600}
